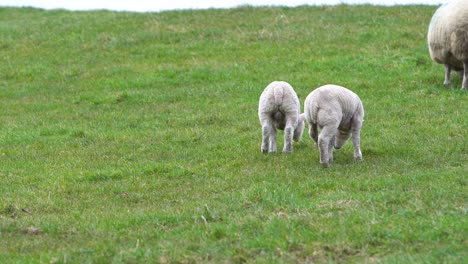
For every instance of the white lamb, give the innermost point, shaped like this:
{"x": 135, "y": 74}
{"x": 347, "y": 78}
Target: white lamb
{"x": 279, "y": 108}
{"x": 338, "y": 112}
{"x": 447, "y": 39}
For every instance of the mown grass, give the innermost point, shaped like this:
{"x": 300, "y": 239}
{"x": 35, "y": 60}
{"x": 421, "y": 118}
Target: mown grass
{"x": 131, "y": 138}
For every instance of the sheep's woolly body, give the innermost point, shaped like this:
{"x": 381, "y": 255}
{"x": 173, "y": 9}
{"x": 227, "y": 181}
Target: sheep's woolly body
{"x": 447, "y": 38}
{"x": 279, "y": 108}
{"x": 339, "y": 113}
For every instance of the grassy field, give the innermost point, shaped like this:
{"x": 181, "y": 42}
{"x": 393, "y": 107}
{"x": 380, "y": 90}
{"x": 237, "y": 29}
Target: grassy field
{"x": 133, "y": 138}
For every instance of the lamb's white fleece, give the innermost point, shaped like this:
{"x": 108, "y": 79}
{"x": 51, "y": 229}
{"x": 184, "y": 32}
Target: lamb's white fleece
{"x": 279, "y": 108}
{"x": 339, "y": 113}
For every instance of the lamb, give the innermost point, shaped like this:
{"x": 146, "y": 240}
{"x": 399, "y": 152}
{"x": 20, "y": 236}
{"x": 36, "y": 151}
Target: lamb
{"x": 447, "y": 39}
{"x": 279, "y": 108}
{"x": 338, "y": 112}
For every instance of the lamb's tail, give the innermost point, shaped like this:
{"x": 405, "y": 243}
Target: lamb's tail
{"x": 278, "y": 93}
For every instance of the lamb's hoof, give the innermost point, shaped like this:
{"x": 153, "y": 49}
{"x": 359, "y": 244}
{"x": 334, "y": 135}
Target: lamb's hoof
{"x": 325, "y": 164}
{"x": 357, "y": 158}
{"x": 447, "y": 83}
{"x": 265, "y": 151}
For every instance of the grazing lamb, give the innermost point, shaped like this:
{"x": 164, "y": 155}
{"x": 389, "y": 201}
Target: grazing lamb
{"x": 279, "y": 108}
{"x": 338, "y": 112}
{"x": 447, "y": 39}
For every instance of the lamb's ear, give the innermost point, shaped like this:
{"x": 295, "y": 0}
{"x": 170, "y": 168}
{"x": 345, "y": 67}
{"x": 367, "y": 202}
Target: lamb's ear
{"x": 301, "y": 118}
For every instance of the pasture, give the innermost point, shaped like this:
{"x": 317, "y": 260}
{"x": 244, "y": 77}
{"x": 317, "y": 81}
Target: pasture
{"x": 134, "y": 138}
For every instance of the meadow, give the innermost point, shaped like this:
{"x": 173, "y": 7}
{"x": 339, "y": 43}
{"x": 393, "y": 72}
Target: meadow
{"x": 134, "y": 138}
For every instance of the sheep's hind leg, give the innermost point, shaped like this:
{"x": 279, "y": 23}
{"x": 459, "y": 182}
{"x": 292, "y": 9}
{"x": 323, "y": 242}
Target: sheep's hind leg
{"x": 330, "y": 149}
{"x": 288, "y": 136}
{"x": 325, "y": 139}
{"x": 272, "y": 140}
{"x": 465, "y": 75}
{"x": 448, "y": 70}
{"x": 267, "y": 133}
{"x": 357, "y": 144}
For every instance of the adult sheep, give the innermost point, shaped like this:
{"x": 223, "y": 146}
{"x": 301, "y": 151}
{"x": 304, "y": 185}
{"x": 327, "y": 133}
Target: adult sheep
{"x": 339, "y": 113}
{"x": 447, "y": 39}
{"x": 279, "y": 108}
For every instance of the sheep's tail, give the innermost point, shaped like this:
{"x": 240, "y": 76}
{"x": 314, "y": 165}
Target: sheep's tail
{"x": 278, "y": 93}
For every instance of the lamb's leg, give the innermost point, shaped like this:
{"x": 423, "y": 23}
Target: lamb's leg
{"x": 448, "y": 70}
{"x": 357, "y": 144}
{"x": 330, "y": 149}
{"x": 273, "y": 139}
{"x": 465, "y": 75}
{"x": 324, "y": 142}
{"x": 299, "y": 128}
{"x": 288, "y": 135}
{"x": 267, "y": 130}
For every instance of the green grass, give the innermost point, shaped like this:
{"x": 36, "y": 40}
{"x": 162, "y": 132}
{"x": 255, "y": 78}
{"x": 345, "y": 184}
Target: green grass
{"x": 131, "y": 138}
